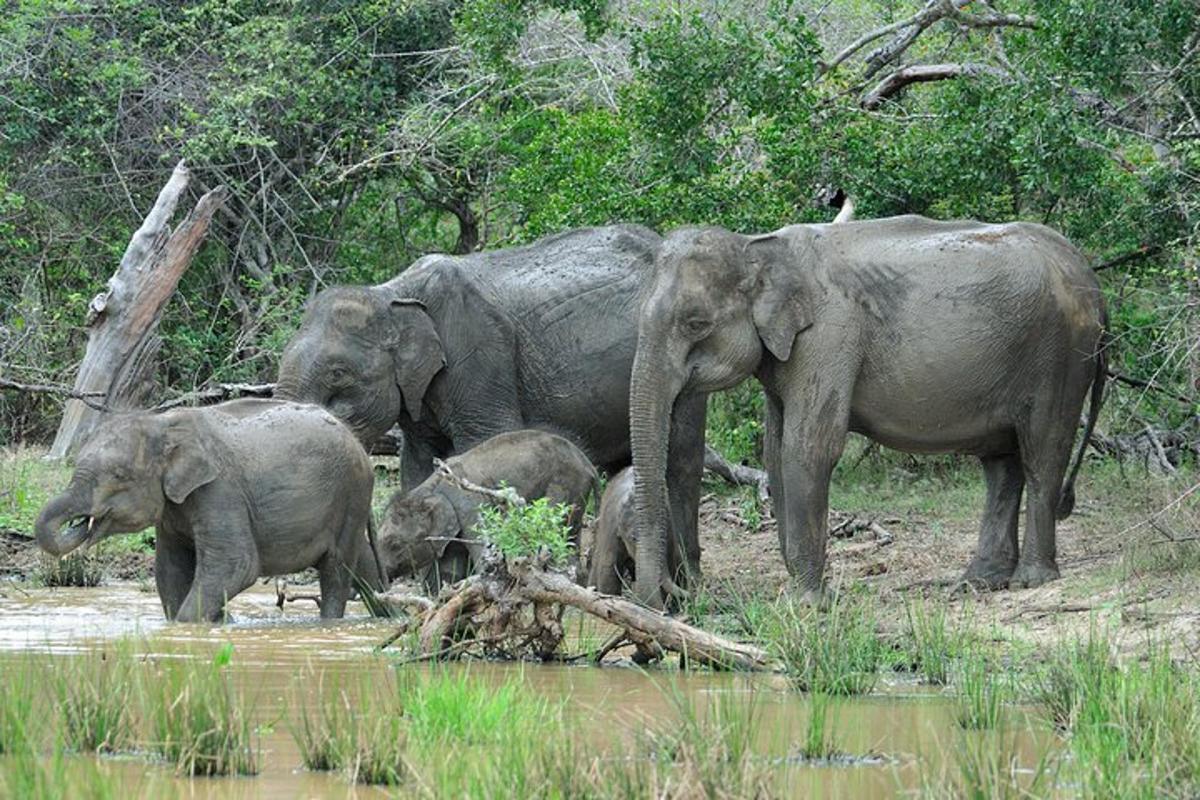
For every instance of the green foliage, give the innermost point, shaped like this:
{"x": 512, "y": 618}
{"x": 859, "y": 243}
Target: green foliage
{"x": 527, "y": 530}
{"x": 355, "y": 137}
{"x": 73, "y": 569}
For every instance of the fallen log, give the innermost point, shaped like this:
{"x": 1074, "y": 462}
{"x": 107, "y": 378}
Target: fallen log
{"x": 737, "y": 474}
{"x": 122, "y": 321}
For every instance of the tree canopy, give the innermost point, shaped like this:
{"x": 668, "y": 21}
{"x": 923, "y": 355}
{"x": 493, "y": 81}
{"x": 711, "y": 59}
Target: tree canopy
{"x": 356, "y": 136}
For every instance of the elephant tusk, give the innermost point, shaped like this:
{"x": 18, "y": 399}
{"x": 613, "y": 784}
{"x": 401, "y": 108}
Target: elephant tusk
{"x": 91, "y": 522}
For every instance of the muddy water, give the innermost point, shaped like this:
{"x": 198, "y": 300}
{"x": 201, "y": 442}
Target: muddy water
{"x": 908, "y": 731}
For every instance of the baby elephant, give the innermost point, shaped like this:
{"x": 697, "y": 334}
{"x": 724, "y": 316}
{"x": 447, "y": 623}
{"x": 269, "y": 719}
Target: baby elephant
{"x": 614, "y": 546}
{"x": 236, "y": 491}
{"x": 429, "y": 531}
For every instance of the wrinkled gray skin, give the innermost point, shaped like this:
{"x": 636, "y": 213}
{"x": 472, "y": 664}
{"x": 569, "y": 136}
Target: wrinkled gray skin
{"x": 612, "y": 559}
{"x": 236, "y": 491}
{"x": 457, "y": 349}
{"x": 429, "y": 531}
{"x": 928, "y": 337}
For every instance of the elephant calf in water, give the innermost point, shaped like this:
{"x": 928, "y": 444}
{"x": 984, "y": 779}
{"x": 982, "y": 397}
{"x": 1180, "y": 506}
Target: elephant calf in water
{"x": 613, "y": 556}
{"x": 236, "y": 491}
{"x": 430, "y": 530}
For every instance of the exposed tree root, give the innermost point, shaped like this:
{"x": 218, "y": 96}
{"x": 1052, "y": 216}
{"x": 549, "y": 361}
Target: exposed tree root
{"x": 514, "y": 610}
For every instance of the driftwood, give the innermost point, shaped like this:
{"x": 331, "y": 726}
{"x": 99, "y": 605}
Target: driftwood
{"x": 122, "y": 320}
{"x": 514, "y": 609}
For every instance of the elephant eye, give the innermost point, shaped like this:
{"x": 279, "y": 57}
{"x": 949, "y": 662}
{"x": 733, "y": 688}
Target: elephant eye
{"x": 697, "y": 327}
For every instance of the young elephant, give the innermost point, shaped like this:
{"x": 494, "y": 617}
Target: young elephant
{"x": 613, "y": 555}
{"x": 236, "y": 491}
{"x": 429, "y": 530}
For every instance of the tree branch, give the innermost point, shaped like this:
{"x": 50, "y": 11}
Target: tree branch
{"x": 63, "y": 391}
{"x": 896, "y": 82}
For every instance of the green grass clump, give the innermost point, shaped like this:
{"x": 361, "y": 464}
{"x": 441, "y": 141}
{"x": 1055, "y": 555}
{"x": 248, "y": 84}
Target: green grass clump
{"x": 458, "y": 707}
{"x": 33, "y": 775}
{"x": 930, "y": 644}
{"x": 528, "y": 530}
{"x": 987, "y": 767}
{"x": 74, "y": 569}
{"x": 837, "y": 651}
{"x": 18, "y": 692}
{"x": 819, "y": 731}
{"x": 198, "y": 721}
{"x": 94, "y": 695}
{"x": 981, "y": 692}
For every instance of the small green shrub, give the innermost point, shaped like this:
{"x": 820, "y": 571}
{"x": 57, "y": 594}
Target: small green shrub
{"x": 528, "y": 530}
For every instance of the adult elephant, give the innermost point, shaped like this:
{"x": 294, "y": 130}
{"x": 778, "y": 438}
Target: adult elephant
{"x": 928, "y": 337}
{"x": 457, "y": 349}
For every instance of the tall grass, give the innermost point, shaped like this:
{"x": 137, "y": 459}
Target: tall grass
{"x": 987, "y": 767}
{"x": 819, "y": 741}
{"x": 930, "y": 644}
{"x": 1134, "y": 730}
{"x": 198, "y": 721}
{"x": 94, "y": 695}
{"x": 30, "y": 774}
{"x": 837, "y": 651}
{"x": 18, "y": 691}
{"x": 74, "y": 569}
{"x": 982, "y": 690}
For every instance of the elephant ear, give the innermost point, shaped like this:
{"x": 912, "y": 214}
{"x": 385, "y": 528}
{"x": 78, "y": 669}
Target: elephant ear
{"x": 189, "y": 464}
{"x": 417, "y": 352}
{"x": 782, "y": 303}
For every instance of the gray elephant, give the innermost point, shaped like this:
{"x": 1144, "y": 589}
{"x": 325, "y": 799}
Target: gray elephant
{"x": 928, "y": 337}
{"x": 236, "y": 491}
{"x": 460, "y": 348}
{"x": 613, "y": 554}
{"x": 430, "y": 530}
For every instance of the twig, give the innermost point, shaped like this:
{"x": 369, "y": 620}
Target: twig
{"x": 1139, "y": 383}
{"x": 505, "y": 495}
{"x": 63, "y": 391}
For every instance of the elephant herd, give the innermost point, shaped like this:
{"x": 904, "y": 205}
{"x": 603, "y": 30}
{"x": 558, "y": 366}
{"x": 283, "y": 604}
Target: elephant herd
{"x": 599, "y": 346}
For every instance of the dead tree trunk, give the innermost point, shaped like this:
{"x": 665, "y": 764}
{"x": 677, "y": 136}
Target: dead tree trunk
{"x": 122, "y": 320}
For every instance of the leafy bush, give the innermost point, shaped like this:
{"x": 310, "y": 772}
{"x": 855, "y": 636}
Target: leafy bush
{"x": 528, "y": 530}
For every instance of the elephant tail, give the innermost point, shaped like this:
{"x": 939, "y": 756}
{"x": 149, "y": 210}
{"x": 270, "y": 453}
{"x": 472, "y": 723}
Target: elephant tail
{"x": 1066, "y": 499}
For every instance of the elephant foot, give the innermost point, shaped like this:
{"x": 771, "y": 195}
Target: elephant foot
{"x": 982, "y": 576}
{"x": 1030, "y": 576}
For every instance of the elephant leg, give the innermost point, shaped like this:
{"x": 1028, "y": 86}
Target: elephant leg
{"x": 174, "y": 569}
{"x": 685, "y": 468}
{"x": 773, "y": 431}
{"x": 996, "y": 554}
{"x": 810, "y": 446}
{"x": 1045, "y": 453}
{"x": 226, "y": 565}
{"x": 334, "y": 576}
{"x": 602, "y": 571}
{"x": 416, "y": 462}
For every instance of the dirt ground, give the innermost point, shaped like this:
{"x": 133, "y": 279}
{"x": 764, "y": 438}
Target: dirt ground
{"x": 1119, "y": 571}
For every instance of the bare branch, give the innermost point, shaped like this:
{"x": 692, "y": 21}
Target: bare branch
{"x": 896, "y": 82}
{"x": 63, "y": 391}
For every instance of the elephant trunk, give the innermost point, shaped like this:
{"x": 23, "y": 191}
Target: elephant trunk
{"x": 652, "y": 397}
{"x": 68, "y": 506}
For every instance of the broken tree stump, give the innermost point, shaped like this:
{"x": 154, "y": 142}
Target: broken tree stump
{"x": 123, "y": 319}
